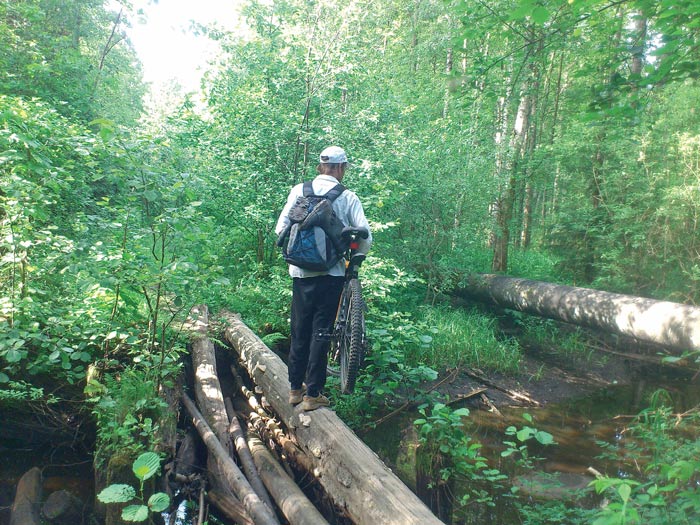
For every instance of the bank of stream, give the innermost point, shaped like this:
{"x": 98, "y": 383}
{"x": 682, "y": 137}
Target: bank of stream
{"x": 582, "y": 403}
{"x": 592, "y": 417}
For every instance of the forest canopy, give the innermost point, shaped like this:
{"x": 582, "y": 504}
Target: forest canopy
{"x": 545, "y": 139}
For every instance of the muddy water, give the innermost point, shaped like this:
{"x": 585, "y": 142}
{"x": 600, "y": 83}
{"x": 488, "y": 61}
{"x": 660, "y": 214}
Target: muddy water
{"x": 578, "y": 427}
{"x": 62, "y": 468}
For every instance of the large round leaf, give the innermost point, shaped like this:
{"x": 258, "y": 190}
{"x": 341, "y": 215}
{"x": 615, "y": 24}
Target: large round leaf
{"x": 158, "y": 502}
{"x": 146, "y": 465}
{"x": 135, "y": 513}
{"x": 117, "y": 493}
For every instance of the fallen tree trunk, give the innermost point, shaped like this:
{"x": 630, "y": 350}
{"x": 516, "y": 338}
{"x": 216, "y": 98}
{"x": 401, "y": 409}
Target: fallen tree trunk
{"x": 25, "y": 508}
{"x": 245, "y": 456}
{"x": 352, "y": 475}
{"x": 666, "y": 323}
{"x": 207, "y": 388}
{"x": 232, "y": 511}
{"x": 295, "y": 506}
{"x": 230, "y": 472}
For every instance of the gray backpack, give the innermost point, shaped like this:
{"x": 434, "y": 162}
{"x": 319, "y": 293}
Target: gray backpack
{"x": 312, "y": 240}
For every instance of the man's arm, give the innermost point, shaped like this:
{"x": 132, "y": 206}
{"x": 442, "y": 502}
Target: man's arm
{"x": 356, "y": 217}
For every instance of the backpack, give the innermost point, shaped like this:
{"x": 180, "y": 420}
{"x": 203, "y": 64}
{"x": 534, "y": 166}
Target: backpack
{"x": 312, "y": 240}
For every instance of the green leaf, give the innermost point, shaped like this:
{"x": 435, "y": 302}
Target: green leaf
{"x": 4, "y": 378}
{"x": 544, "y": 437}
{"x": 13, "y": 356}
{"x": 524, "y": 434}
{"x": 624, "y": 491}
{"x": 540, "y": 15}
{"x": 159, "y": 501}
{"x": 146, "y": 465}
{"x": 117, "y": 493}
{"x": 135, "y": 513}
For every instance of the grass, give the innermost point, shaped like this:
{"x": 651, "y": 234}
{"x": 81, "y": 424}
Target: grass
{"x": 467, "y": 338}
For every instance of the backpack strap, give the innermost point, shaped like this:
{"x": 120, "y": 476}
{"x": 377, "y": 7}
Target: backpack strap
{"x": 331, "y": 194}
{"x": 334, "y": 192}
{"x": 308, "y": 189}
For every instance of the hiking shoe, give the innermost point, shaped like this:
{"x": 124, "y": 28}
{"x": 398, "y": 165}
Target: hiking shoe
{"x": 296, "y": 396}
{"x": 312, "y": 403}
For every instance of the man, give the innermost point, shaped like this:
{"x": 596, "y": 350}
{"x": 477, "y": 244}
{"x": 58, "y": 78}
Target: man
{"x": 315, "y": 295}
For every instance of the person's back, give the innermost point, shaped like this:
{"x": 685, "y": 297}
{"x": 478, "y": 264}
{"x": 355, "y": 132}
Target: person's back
{"x": 315, "y": 293}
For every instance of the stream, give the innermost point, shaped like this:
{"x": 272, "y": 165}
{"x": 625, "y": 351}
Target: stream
{"x": 577, "y": 425}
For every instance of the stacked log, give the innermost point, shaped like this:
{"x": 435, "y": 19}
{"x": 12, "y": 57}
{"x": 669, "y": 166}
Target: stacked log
{"x": 355, "y": 479}
{"x": 242, "y": 497}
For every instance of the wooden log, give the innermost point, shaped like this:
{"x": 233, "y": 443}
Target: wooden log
{"x": 63, "y": 508}
{"x": 207, "y": 387}
{"x": 521, "y": 397}
{"x": 229, "y": 507}
{"x": 350, "y": 472}
{"x": 27, "y": 502}
{"x": 255, "y": 507}
{"x": 269, "y": 429}
{"x": 665, "y": 323}
{"x": 244, "y": 454}
{"x": 293, "y": 503}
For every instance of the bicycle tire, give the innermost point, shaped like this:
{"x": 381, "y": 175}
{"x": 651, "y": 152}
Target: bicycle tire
{"x": 352, "y": 338}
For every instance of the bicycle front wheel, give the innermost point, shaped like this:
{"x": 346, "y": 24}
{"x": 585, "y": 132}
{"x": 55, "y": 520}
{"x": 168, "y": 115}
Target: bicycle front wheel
{"x": 352, "y": 338}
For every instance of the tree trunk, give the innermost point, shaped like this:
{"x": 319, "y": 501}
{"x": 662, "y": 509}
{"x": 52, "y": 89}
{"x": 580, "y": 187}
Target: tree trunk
{"x": 662, "y": 322}
{"x": 255, "y": 507}
{"x": 25, "y": 509}
{"x": 295, "y": 506}
{"x": 351, "y": 474}
{"x": 232, "y": 510}
{"x": 207, "y": 387}
{"x": 244, "y": 455}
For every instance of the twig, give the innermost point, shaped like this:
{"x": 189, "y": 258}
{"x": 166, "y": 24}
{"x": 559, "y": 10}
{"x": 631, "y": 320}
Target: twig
{"x": 449, "y": 378}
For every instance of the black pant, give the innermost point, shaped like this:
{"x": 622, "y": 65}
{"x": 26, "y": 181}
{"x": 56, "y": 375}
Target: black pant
{"x": 314, "y": 305}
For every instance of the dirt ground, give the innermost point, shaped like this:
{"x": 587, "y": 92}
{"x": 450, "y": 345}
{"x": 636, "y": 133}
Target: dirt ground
{"x": 549, "y": 376}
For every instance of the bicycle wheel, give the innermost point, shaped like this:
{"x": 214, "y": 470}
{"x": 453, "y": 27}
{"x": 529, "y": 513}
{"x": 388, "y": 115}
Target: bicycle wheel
{"x": 352, "y": 338}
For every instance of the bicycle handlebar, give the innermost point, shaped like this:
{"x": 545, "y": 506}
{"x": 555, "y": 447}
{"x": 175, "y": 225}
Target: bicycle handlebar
{"x": 350, "y": 231}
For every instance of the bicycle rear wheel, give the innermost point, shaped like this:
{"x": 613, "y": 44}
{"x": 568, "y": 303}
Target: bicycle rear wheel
{"x": 352, "y": 338}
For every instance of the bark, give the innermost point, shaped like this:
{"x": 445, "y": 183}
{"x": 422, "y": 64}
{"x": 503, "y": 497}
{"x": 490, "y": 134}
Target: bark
{"x": 295, "y": 506}
{"x": 207, "y": 386}
{"x": 25, "y": 509}
{"x": 63, "y": 508}
{"x": 350, "y": 472}
{"x": 255, "y": 507}
{"x": 666, "y": 323}
{"x": 241, "y": 445}
{"x": 229, "y": 508}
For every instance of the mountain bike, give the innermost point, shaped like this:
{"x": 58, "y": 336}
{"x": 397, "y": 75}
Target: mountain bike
{"x": 349, "y": 340}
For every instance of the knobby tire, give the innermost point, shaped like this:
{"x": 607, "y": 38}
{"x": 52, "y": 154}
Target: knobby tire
{"x": 352, "y": 338}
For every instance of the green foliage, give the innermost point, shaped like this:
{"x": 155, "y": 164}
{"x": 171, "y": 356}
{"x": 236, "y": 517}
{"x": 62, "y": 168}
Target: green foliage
{"x": 519, "y": 449}
{"x": 145, "y": 466}
{"x": 128, "y": 412}
{"x": 453, "y": 455}
{"x": 665, "y": 489}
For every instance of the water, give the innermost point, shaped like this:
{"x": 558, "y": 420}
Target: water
{"x": 578, "y": 426}
{"x": 62, "y": 468}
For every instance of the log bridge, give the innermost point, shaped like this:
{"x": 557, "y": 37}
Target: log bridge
{"x": 360, "y": 487}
